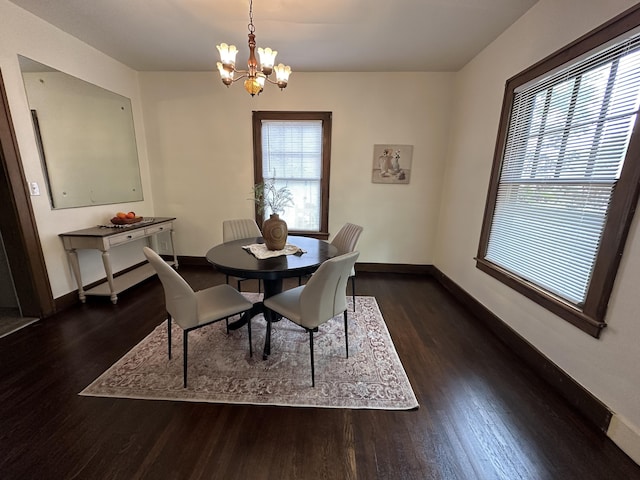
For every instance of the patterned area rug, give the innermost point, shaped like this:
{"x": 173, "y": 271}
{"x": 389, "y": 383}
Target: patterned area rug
{"x": 221, "y": 370}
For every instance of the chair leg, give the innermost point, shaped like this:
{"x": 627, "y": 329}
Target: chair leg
{"x": 268, "y": 316}
{"x": 226, "y": 320}
{"x": 313, "y": 373}
{"x": 169, "y": 333}
{"x": 250, "y": 344}
{"x": 185, "y": 343}
{"x": 239, "y": 286}
{"x": 346, "y": 332}
{"x": 259, "y": 286}
{"x": 353, "y": 291}
{"x": 227, "y": 279}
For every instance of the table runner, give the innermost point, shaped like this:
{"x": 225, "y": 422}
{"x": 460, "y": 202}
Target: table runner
{"x": 260, "y": 250}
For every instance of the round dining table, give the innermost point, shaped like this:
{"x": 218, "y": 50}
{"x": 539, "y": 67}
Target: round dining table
{"x": 232, "y": 259}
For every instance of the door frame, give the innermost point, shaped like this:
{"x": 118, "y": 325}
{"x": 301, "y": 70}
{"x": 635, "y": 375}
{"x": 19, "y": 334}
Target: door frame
{"x": 18, "y": 224}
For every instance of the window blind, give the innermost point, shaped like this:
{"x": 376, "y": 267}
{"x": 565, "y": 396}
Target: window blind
{"x": 292, "y": 155}
{"x": 565, "y": 148}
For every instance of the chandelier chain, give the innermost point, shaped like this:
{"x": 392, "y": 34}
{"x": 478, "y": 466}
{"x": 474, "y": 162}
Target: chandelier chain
{"x": 251, "y": 28}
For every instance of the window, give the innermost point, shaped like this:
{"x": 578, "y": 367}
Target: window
{"x": 563, "y": 186}
{"x": 294, "y": 148}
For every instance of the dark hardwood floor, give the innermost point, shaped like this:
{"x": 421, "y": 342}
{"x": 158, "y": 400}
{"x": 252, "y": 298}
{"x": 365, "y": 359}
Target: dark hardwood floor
{"x": 483, "y": 414}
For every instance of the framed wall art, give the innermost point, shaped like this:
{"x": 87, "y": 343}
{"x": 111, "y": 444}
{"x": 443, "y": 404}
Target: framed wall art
{"x": 392, "y": 163}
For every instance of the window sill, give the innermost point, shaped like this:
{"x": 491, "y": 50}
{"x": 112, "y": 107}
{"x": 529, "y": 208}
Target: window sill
{"x": 318, "y": 235}
{"x": 564, "y": 310}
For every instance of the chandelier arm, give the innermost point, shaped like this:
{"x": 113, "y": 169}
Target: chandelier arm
{"x": 245, "y": 75}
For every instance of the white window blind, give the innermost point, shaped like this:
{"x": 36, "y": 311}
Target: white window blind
{"x": 292, "y": 155}
{"x": 566, "y": 144}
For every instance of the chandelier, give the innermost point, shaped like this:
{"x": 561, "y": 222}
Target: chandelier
{"x": 256, "y": 74}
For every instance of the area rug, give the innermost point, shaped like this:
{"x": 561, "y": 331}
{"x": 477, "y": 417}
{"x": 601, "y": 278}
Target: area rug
{"x": 221, "y": 370}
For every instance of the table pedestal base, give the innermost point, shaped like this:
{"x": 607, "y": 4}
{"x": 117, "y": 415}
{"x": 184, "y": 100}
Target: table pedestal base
{"x": 271, "y": 287}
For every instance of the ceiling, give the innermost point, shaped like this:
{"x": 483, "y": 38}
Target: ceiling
{"x": 311, "y": 36}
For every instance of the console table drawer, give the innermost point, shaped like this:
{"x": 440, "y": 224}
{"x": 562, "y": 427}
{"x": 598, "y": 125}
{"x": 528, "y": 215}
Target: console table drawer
{"x": 126, "y": 237}
{"x": 152, "y": 230}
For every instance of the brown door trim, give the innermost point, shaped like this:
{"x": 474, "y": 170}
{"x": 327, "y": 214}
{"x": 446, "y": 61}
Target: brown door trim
{"x": 18, "y": 224}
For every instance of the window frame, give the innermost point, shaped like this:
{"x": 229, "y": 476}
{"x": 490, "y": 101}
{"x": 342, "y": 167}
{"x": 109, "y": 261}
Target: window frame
{"x": 326, "y": 118}
{"x": 590, "y": 317}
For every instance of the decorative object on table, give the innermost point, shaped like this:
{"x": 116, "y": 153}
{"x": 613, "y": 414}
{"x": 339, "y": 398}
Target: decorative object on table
{"x": 256, "y": 74}
{"x": 275, "y": 232}
{"x": 371, "y": 378}
{"x": 273, "y": 199}
{"x": 122, "y": 218}
{"x": 392, "y": 164}
{"x": 261, "y": 251}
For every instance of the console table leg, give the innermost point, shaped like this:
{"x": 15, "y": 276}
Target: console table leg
{"x": 72, "y": 255}
{"x": 173, "y": 250}
{"x": 107, "y": 268}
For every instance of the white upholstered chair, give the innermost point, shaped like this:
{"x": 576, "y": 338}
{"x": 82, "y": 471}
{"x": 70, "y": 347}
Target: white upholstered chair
{"x": 322, "y": 298}
{"x": 237, "y": 229}
{"x": 346, "y": 240}
{"x": 192, "y": 310}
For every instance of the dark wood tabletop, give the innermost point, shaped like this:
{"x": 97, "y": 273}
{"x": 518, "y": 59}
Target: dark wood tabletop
{"x": 230, "y": 258}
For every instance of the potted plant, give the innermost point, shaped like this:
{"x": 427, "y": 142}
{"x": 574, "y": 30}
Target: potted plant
{"x": 268, "y": 197}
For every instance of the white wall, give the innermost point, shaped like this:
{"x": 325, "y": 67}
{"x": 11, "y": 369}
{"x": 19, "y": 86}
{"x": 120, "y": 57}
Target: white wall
{"x": 24, "y": 34}
{"x": 199, "y": 136}
{"x": 607, "y": 367}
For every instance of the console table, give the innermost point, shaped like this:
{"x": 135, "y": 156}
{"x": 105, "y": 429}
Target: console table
{"x": 103, "y": 238}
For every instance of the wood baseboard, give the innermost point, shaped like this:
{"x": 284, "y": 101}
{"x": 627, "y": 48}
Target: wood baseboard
{"x": 196, "y": 261}
{"x": 580, "y": 398}
{"x": 66, "y": 301}
{"x": 395, "y": 268}
{"x": 70, "y": 299}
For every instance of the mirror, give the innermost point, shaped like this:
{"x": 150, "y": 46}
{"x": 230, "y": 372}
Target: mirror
{"x": 85, "y": 136}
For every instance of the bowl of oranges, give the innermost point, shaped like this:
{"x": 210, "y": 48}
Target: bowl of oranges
{"x": 123, "y": 218}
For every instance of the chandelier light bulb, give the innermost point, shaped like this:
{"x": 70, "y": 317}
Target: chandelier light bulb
{"x": 282, "y": 74}
{"x": 267, "y": 59}
{"x": 225, "y": 75}
{"x": 227, "y": 54}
